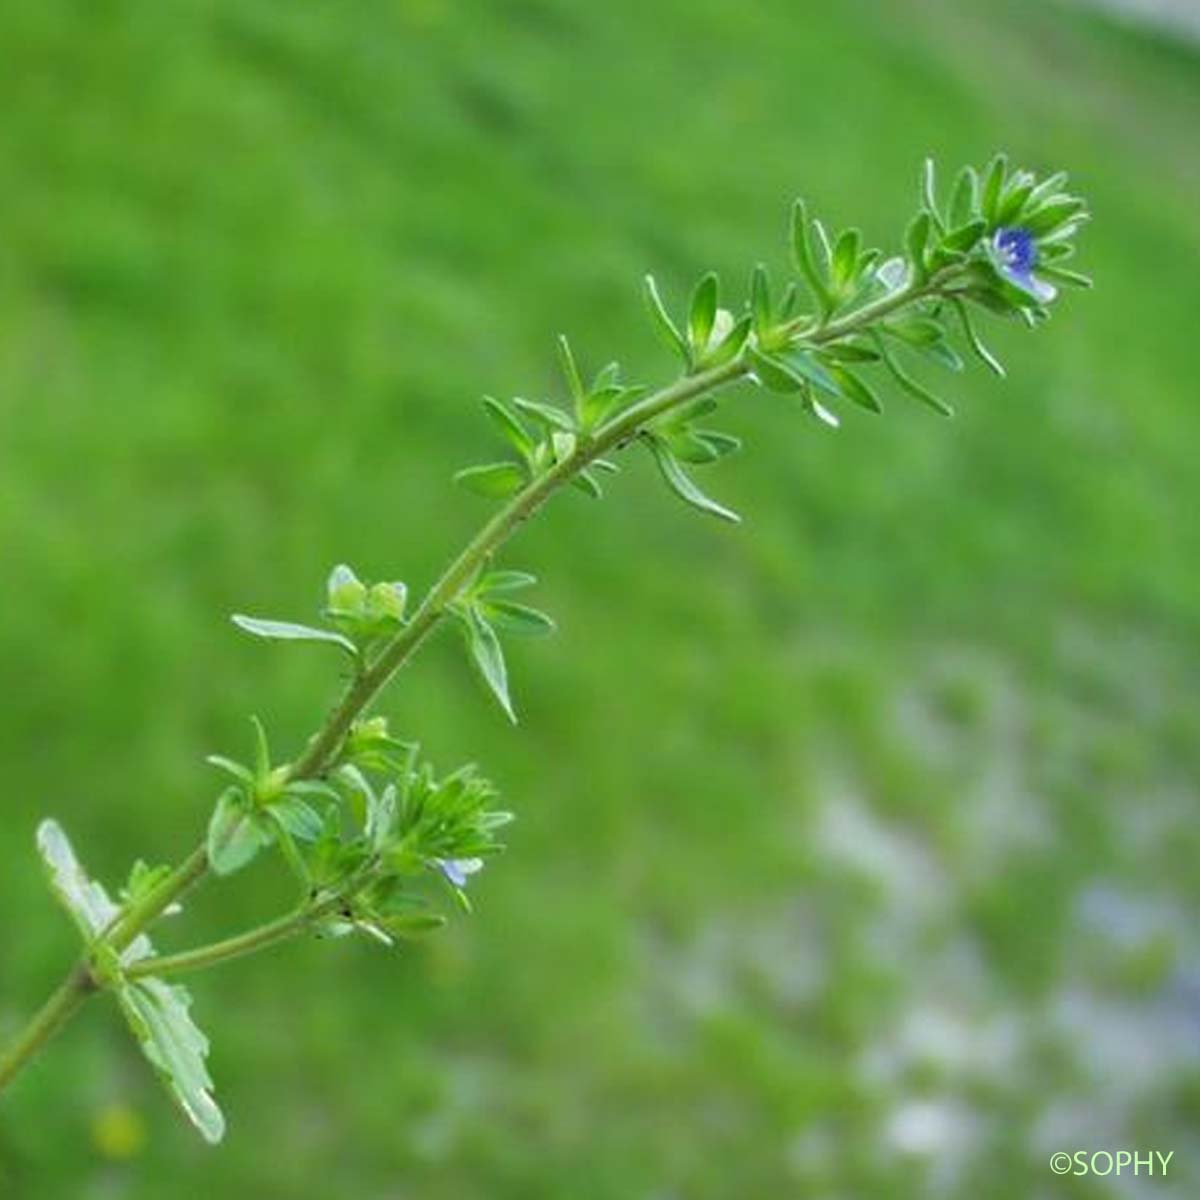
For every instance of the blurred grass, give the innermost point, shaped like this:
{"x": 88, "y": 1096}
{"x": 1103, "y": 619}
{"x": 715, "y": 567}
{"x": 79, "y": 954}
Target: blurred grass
{"x": 914, "y": 749}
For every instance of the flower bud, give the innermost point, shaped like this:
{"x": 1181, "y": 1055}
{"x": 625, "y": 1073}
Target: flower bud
{"x": 346, "y": 592}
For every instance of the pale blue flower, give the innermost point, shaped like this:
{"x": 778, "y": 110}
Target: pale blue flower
{"x": 1016, "y": 255}
{"x": 457, "y": 870}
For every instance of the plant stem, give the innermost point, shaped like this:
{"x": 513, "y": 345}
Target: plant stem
{"x": 325, "y": 746}
{"x": 259, "y": 938}
{"x": 48, "y": 1020}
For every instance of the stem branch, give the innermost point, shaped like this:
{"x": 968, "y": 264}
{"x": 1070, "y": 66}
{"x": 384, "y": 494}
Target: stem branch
{"x": 322, "y": 751}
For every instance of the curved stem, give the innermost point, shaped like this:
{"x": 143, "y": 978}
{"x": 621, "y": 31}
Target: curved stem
{"x": 279, "y": 930}
{"x": 325, "y": 746}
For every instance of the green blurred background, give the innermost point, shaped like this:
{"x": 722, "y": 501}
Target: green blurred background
{"x": 857, "y": 845}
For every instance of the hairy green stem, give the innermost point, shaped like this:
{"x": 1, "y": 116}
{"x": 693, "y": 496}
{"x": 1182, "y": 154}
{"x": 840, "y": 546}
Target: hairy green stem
{"x": 322, "y": 751}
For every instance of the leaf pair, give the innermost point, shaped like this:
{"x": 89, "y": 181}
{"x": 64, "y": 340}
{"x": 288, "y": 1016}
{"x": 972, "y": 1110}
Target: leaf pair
{"x": 157, "y": 1012}
{"x": 837, "y": 271}
{"x": 262, "y": 806}
{"x": 482, "y": 610}
{"x": 712, "y": 337}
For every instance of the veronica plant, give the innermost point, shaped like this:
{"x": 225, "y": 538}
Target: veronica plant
{"x": 371, "y": 831}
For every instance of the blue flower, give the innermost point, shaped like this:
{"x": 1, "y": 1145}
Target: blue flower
{"x": 456, "y": 870}
{"x": 1015, "y": 254}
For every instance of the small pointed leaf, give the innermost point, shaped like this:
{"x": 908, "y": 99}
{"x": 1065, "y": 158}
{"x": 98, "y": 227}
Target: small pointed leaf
{"x": 289, "y": 631}
{"x": 679, "y": 482}
{"x": 495, "y": 480}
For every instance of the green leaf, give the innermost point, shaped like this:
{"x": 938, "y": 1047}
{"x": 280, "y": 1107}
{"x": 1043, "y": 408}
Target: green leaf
{"x": 802, "y": 255}
{"x": 298, "y": 817}
{"x": 235, "y": 833}
{"x": 730, "y": 346}
{"x": 1062, "y": 275}
{"x": 546, "y": 415}
{"x": 381, "y": 817}
{"x": 844, "y": 263}
{"x": 262, "y": 753}
{"x": 504, "y": 581}
{"x": 517, "y": 618}
{"x": 689, "y": 447}
{"x": 910, "y": 385}
{"x": 1049, "y": 186}
{"x": 412, "y": 925}
{"x": 852, "y": 352}
{"x": 720, "y": 444}
{"x": 495, "y": 480}
{"x": 157, "y": 1013}
{"x": 993, "y": 185}
{"x": 288, "y": 631}
{"x": 238, "y": 770}
{"x": 679, "y": 482}
{"x": 973, "y": 339}
{"x": 663, "y": 324}
{"x": 916, "y": 240}
{"x": 510, "y": 426}
{"x": 916, "y": 331}
{"x": 600, "y": 404}
{"x": 1053, "y": 215}
{"x": 964, "y": 199}
{"x": 143, "y": 879}
{"x": 964, "y": 238}
{"x": 854, "y": 389}
{"x": 86, "y": 901}
{"x": 776, "y": 374}
{"x": 1014, "y": 198}
{"x": 760, "y": 301}
{"x": 929, "y": 194}
{"x": 702, "y": 312}
{"x": 587, "y": 483}
{"x": 810, "y": 371}
{"x": 488, "y": 656}
{"x": 943, "y": 354}
{"x": 566, "y": 360}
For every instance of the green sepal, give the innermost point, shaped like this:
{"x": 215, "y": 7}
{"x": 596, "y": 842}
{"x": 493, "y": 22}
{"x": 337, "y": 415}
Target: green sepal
{"x": 236, "y": 833}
